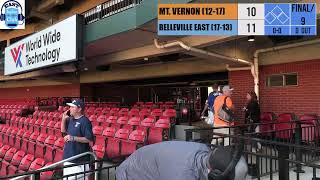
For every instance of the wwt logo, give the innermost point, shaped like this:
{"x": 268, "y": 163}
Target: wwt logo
{"x": 16, "y": 54}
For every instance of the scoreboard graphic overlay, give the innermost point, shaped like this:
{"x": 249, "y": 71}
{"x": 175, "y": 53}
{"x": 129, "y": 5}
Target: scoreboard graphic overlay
{"x": 275, "y": 19}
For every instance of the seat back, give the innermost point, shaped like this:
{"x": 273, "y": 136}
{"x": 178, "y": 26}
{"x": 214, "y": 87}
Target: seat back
{"x": 109, "y": 132}
{"x": 9, "y": 154}
{"x": 137, "y": 135}
{"x": 284, "y": 130}
{"x": 17, "y": 157}
{"x": 160, "y": 131}
{"x": 309, "y": 128}
{"x": 123, "y": 120}
{"x": 37, "y": 164}
{"x": 26, "y": 162}
{"x": 122, "y": 134}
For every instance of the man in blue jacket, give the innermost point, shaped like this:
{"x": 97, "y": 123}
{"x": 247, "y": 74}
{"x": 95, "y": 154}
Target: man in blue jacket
{"x": 178, "y": 160}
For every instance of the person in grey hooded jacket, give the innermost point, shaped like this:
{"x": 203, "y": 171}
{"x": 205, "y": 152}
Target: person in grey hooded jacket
{"x": 178, "y": 160}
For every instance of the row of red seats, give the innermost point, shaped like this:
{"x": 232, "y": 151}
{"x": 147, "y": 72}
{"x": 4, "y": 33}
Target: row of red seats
{"x": 50, "y": 101}
{"x": 30, "y": 102}
{"x": 46, "y": 115}
{"x": 8, "y": 113}
{"x": 157, "y": 113}
{"x": 151, "y": 103}
{"x": 111, "y": 142}
{"x": 103, "y": 104}
{"x": 35, "y": 125}
{"x": 155, "y": 131}
{"x": 284, "y": 128}
{"x": 15, "y": 106}
{"x": 22, "y": 151}
{"x": 114, "y": 144}
{"x": 171, "y": 113}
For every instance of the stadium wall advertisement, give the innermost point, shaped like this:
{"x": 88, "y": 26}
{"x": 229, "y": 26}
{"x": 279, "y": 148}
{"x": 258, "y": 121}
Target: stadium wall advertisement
{"x": 60, "y": 43}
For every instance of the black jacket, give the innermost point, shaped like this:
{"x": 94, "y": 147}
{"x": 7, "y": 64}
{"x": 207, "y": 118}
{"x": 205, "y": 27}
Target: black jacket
{"x": 252, "y": 112}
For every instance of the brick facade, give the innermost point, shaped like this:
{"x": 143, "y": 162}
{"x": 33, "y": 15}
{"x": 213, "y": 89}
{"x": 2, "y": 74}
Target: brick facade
{"x": 301, "y": 99}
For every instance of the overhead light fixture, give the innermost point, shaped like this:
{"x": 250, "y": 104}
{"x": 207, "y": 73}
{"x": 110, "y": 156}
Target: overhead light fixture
{"x": 146, "y": 59}
{"x": 86, "y": 69}
{"x": 251, "y": 38}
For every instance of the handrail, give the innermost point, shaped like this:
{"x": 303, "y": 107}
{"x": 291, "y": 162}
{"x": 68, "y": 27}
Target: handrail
{"x": 63, "y": 161}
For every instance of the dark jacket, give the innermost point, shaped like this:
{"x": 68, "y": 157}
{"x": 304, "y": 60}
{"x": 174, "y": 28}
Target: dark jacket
{"x": 252, "y": 112}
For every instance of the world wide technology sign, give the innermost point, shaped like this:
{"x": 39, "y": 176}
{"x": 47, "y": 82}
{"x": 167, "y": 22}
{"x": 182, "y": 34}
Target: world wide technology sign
{"x": 51, "y": 46}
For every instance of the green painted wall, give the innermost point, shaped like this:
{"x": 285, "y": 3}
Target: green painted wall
{"x": 125, "y": 21}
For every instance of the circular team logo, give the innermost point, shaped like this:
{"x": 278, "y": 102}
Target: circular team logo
{"x": 12, "y": 14}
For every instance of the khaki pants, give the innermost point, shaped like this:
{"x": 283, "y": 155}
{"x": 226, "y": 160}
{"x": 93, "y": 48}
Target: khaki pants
{"x": 226, "y": 140}
{"x": 74, "y": 170}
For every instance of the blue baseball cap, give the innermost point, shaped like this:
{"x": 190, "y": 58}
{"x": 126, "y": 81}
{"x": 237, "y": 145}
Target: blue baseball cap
{"x": 77, "y": 103}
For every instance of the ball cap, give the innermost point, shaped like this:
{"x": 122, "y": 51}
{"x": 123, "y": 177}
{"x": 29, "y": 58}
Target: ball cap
{"x": 227, "y": 88}
{"x": 77, "y": 103}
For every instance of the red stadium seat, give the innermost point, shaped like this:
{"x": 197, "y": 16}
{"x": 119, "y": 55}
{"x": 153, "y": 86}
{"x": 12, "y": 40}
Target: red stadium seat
{"x": 47, "y": 174}
{"x": 134, "y": 112}
{"x": 99, "y": 147}
{"x": 97, "y": 132}
{"x": 12, "y": 137}
{"x": 26, "y": 162}
{"x": 12, "y": 170}
{"x": 156, "y": 113}
{"x": 17, "y": 157}
{"x": 56, "y": 116}
{"x": 6, "y": 134}
{"x": 99, "y": 150}
{"x": 58, "y": 145}
{"x": 93, "y": 118}
{"x": 25, "y": 141}
{"x": 9, "y": 154}
{"x": 144, "y": 113}
{"x": 18, "y": 138}
{"x": 43, "y": 126}
{"x": 145, "y": 125}
{"x": 57, "y": 129}
{"x": 101, "y": 119}
{"x": 113, "y": 144}
{"x": 36, "y": 164}
{"x": 265, "y": 129}
{"x": 136, "y": 140}
{"x": 159, "y": 132}
{"x": 284, "y": 130}
{"x": 4, "y": 167}
{"x": 123, "y": 120}
{"x": 37, "y": 125}
{"x": 15, "y": 121}
{"x": 50, "y": 127}
{"x": 31, "y": 124}
{"x": 309, "y": 128}
{"x": 49, "y": 143}
{"x": 32, "y": 142}
{"x": 21, "y": 122}
{"x": 40, "y": 146}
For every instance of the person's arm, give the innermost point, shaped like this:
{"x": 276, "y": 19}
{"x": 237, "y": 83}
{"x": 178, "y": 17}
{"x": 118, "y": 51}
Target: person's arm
{"x": 205, "y": 108}
{"x": 68, "y": 138}
{"x": 64, "y": 121}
